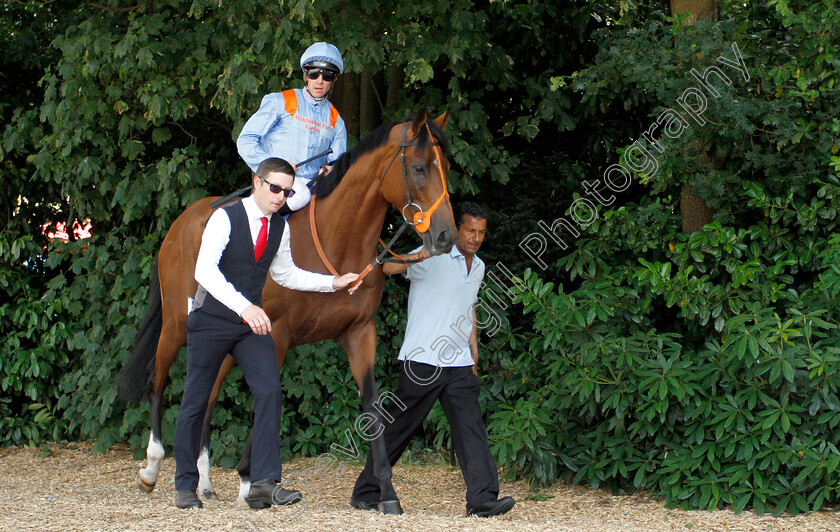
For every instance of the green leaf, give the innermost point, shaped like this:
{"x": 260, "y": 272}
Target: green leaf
{"x": 131, "y": 149}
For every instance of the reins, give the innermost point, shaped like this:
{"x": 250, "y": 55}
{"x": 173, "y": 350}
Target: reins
{"x": 420, "y": 222}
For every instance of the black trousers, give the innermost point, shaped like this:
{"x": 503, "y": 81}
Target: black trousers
{"x": 209, "y": 339}
{"x": 457, "y": 389}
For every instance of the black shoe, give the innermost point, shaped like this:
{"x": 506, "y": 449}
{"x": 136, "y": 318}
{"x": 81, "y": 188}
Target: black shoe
{"x": 362, "y": 505}
{"x": 264, "y": 493}
{"x": 491, "y": 508}
{"x": 187, "y": 499}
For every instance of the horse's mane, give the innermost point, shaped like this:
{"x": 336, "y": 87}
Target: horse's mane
{"x": 323, "y": 184}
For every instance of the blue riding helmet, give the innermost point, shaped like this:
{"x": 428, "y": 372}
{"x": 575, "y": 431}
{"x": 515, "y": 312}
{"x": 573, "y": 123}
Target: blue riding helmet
{"x": 322, "y": 55}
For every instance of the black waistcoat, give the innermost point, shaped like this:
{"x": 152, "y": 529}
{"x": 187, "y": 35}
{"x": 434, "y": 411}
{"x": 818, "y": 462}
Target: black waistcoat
{"x": 237, "y": 262}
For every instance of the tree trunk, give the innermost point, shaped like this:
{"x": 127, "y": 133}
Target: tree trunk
{"x": 363, "y": 98}
{"x": 697, "y": 10}
{"x": 695, "y": 211}
{"x": 346, "y": 99}
{"x": 396, "y": 78}
{"x": 370, "y": 102}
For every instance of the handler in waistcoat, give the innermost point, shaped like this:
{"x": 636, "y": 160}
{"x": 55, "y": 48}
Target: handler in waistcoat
{"x": 241, "y": 243}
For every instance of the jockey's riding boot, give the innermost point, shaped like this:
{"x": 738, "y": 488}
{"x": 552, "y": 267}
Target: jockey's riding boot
{"x": 284, "y": 210}
{"x": 265, "y": 492}
{"x": 187, "y": 499}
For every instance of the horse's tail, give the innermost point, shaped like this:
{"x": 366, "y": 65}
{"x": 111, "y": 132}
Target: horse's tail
{"x": 138, "y": 373}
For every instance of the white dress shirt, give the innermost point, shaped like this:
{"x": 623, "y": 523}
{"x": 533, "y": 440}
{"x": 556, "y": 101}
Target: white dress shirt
{"x": 283, "y": 270}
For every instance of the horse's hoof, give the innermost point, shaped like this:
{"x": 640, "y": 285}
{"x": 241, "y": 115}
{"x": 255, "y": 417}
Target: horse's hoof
{"x": 144, "y": 485}
{"x": 242, "y": 502}
{"x": 209, "y": 494}
{"x": 390, "y": 508}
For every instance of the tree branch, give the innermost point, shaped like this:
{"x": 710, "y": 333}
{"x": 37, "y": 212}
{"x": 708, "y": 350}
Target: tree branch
{"x": 23, "y": 3}
{"x": 193, "y": 139}
{"x": 215, "y": 122}
{"x": 115, "y": 9}
{"x": 375, "y": 91}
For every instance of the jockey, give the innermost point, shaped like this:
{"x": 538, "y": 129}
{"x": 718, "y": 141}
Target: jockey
{"x": 298, "y": 123}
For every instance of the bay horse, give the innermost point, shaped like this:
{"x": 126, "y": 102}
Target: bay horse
{"x": 352, "y": 200}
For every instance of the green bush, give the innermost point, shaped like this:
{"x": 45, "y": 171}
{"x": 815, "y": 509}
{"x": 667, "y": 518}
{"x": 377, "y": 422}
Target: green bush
{"x": 749, "y": 419}
{"x": 700, "y": 367}
{"x": 32, "y": 332}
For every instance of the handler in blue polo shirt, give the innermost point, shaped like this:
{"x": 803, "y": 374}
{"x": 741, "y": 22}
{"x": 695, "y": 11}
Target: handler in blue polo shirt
{"x": 439, "y": 355}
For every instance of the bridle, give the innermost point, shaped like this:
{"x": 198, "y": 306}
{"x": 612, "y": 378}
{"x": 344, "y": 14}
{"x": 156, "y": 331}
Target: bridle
{"x": 421, "y": 220}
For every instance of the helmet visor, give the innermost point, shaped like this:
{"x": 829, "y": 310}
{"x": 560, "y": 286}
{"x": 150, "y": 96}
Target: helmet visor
{"x": 323, "y": 65}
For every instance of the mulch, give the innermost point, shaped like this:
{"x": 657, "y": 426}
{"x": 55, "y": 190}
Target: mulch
{"x": 66, "y": 487}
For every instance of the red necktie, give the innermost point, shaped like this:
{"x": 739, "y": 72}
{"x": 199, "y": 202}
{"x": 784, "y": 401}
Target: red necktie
{"x": 262, "y": 238}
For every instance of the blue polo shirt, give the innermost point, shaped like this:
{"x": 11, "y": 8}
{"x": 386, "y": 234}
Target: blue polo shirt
{"x": 440, "y": 313}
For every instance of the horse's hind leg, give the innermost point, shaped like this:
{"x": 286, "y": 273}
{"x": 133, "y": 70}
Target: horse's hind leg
{"x": 360, "y": 345}
{"x": 205, "y": 487}
{"x": 147, "y": 476}
{"x": 171, "y": 340}
{"x": 244, "y": 469}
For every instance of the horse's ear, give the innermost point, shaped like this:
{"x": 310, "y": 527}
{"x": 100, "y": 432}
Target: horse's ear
{"x": 419, "y": 121}
{"x": 442, "y": 120}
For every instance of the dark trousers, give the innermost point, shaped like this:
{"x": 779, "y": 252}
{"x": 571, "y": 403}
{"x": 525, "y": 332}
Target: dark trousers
{"x": 457, "y": 389}
{"x": 209, "y": 339}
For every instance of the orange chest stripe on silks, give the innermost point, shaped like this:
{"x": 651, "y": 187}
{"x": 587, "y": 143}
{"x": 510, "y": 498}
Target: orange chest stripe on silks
{"x": 291, "y": 104}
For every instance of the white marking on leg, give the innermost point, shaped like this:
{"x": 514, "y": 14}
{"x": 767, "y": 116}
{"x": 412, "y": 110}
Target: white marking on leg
{"x": 205, "y": 487}
{"x": 154, "y": 454}
{"x": 244, "y": 488}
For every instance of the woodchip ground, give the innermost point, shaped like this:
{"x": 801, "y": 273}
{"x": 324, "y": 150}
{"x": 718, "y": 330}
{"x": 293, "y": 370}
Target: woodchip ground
{"x": 66, "y": 487}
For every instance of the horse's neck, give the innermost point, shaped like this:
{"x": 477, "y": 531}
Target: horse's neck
{"x": 350, "y": 219}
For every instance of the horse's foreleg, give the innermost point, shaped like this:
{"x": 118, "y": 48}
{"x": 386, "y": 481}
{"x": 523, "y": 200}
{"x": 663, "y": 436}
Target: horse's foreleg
{"x": 205, "y": 486}
{"x": 360, "y": 345}
{"x": 171, "y": 340}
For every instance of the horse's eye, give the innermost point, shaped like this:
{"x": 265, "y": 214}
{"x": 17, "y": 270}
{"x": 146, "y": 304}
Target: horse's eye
{"x": 420, "y": 169}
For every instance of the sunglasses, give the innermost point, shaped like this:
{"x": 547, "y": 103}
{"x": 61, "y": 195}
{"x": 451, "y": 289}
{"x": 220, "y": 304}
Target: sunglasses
{"x": 313, "y": 73}
{"x": 277, "y": 189}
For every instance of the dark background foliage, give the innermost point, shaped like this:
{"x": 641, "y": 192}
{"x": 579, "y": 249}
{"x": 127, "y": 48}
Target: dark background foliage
{"x": 685, "y": 343}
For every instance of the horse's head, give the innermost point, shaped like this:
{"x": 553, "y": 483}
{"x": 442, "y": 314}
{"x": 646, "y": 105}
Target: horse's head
{"x": 415, "y": 180}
